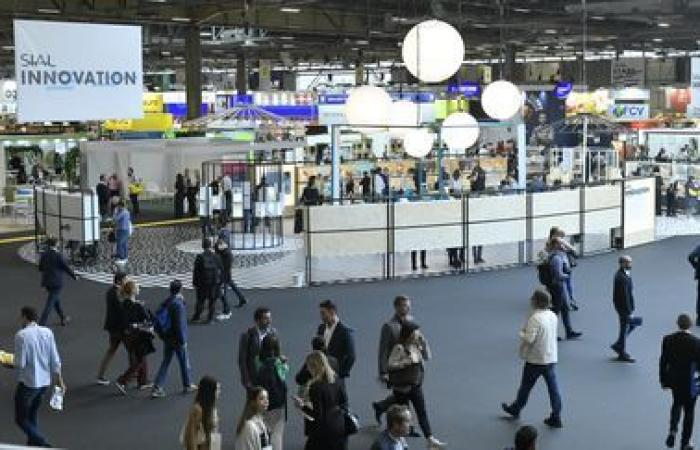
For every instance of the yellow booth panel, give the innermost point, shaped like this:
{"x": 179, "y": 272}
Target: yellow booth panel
{"x": 152, "y": 102}
{"x": 150, "y": 122}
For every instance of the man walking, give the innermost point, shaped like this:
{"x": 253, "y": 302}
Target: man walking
{"x": 171, "y": 319}
{"x": 538, "y": 347}
{"x": 694, "y": 259}
{"x": 560, "y": 272}
{"x": 226, "y": 256}
{"x": 250, "y": 343}
{"x": 52, "y": 266}
{"x": 623, "y": 300}
{"x": 206, "y": 278}
{"x": 678, "y": 371}
{"x": 338, "y": 338}
{"x": 114, "y": 325}
{"x": 388, "y": 339}
{"x": 37, "y": 361}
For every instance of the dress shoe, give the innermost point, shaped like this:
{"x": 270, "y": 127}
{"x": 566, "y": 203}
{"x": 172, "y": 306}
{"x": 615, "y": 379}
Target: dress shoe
{"x": 65, "y": 321}
{"x": 510, "y": 410}
{"x": 625, "y": 358}
{"x": 241, "y": 303}
{"x": 554, "y": 422}
{"x": 423, "y": 266}
{"x": 671, "y": 439}
{"x": 616, "y": 348}
{"x": 573, "y": 335}
{"x": 377, "y": 412}
{"x": 688, "y": 447}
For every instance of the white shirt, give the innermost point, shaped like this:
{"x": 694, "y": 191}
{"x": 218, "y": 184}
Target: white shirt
{"x": 538, "y": 339}
{"x": 226, "y": 183}
{"x": 328, "y": 332}
{"x": 36, "y": 356}
{"x": 378, "y": 184}
{"x": 254, "y": 436}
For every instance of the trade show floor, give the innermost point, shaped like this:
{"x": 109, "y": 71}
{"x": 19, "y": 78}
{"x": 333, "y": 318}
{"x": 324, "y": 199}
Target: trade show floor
{"x": 472, "y": 323}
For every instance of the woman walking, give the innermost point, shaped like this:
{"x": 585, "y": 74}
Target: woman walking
{"x": 406, "y": 373}
{"x": 201, "y": 429}
{"x": 272, "y": 376}
{"x": 251, "y": 432}
{"x": 138, "y": 338}
{"x": 326, "y": 420}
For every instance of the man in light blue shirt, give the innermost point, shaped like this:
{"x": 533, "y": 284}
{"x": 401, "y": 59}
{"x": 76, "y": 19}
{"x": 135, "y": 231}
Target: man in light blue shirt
{"x": 398, "y": 424}
{"x": 36, "y": 361}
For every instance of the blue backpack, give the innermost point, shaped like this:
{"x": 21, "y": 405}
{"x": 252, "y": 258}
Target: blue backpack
{"x": 162, "y": 320}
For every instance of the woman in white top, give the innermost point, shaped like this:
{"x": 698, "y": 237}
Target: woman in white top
{"x": 251, "y": 432}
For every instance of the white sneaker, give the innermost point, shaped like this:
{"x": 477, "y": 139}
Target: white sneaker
{"x": 103, "y": 381}
{"x": 434, "y": 444}
{"x": 222, "y": 317}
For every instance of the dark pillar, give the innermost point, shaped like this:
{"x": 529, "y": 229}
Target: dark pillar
{"x": 241, "y": 74}
{"x": 193, "y": 72}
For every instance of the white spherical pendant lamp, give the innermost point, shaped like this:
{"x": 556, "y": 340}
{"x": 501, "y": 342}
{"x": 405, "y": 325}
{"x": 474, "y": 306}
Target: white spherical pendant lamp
{"x": 418, "y": 142}
{"x": 367, "y": 105}
{"x": 502, "y": 100}
{"x": 403, "y": 113}
{"x": 460, "y": 131}
{"x": 433, "y": 51}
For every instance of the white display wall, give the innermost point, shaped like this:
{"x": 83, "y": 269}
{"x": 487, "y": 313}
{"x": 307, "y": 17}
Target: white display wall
{"x": 72, "y": 216}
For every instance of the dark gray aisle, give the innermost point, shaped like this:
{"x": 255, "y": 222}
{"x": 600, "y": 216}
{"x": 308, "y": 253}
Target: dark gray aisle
{"x": 471, "y": 321}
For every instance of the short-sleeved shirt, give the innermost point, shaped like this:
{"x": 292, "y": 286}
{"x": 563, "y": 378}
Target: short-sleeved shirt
{"x": 386, "y": 441}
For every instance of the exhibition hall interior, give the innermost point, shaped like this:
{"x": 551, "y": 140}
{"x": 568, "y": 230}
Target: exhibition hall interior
{"x": 336, "y": 225}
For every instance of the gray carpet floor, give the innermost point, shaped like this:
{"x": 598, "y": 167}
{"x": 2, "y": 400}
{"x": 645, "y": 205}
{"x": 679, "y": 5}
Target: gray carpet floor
{"x": 471, "y": 321}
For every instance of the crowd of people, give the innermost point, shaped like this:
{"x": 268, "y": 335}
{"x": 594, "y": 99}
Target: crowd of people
{"x": 321, "y": 396}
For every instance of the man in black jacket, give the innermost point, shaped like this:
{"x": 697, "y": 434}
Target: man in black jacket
{"x": 250, "y": 343}
{"x": 102, "y": 191}
{"x": 206, "y": 278}
{"x": 114, "y": 325}
{"x": 222, "y": 249}
{"x": 623, "y": 300}
{"x": 338, "y": 339}
{"x": 317, "y": 345}
{"x": 678, "y": 371}
{"x": 52, "y": 265}
{"x": 694, "y": 259}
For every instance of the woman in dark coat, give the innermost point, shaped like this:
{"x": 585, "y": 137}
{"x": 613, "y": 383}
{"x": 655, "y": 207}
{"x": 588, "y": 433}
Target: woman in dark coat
{"x": 326, "y": 430}
{"x": 179, "y": 195}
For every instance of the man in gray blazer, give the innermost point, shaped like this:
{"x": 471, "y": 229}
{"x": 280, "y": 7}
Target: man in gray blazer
{"x": 389, "y": 337}
{"x": 250, "y": 343}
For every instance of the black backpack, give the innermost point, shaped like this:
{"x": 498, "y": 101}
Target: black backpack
{"x": 275, "y": 386}
{"x": 544, "y": 272}
{"x": 211, "y": 269}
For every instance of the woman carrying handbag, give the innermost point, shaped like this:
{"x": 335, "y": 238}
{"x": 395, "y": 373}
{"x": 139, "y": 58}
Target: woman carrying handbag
{"x": 406, "y": 374}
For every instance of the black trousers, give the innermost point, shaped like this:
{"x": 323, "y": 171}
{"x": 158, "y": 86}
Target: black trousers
{"x": 477, "y": 252}
{"x": 697, "y": 303}
{"x": 208, "y": 294}
{"x": 685, "y": 402}
{"x": 415, "y": 396}
{"x": 414, "y": 255}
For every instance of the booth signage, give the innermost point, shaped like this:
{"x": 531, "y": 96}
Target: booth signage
{"x": 77, "y": 71}
{"x": 694, "y": 107}
{"x": 628, "y": 72}
{"x": 562, "y": 89}
{"x": 629, "y": 111}
{"x": 469, "y": 89}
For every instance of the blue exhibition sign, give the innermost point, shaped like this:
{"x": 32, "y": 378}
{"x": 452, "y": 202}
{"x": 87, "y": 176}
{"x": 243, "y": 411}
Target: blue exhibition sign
{"x": 469, "y": 89}
{"x": 563, "y": 88}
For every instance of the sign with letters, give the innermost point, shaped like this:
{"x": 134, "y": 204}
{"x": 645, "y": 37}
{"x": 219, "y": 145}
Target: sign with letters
{"x": 628, "y": 72}
{"x": 624, "y": 112}
{"x": 77, "y": 71}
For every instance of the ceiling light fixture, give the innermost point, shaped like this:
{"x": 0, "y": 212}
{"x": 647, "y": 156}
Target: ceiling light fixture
{"x": 658, "y": 40}
{"x": 664, "y": 24}
{"x": 522, "y": 10}
{"x": 550, "y": 31}
{"x": 205, "y": 34}
{"x": 8, "y": 47}
{"x": 288, "y": 10}
{"x": 287, "y": 38}
{"x": 49, "y": 11}
{"x": 180, "y": 19}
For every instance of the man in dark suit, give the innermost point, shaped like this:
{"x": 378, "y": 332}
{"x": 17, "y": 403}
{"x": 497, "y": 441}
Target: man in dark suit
{"x": 694, "y": 259}
{"x": 52, "y": 265}
{"x": 317, "y": 345}
{"x": 338, "y": 339}
{"x": 250, "y": 343}
{"x": 623, "y": 300}
{"x": 102, "y": 191}
{"x": 678, "y": 371}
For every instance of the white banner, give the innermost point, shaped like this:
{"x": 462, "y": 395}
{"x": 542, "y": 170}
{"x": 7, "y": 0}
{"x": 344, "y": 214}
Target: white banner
{"x": 77, "y": 71}
{"x": 694, "y": 106}
{"x": 628, "y": 72}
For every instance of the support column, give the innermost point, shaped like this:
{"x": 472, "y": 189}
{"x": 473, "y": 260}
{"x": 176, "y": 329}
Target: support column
{"x": 522, "y": 156}
{"x": 509, "y": 63}
{"x": 335, "y": 163}
{"x": 193, "y": 72}
{"x": 241, "y": 74}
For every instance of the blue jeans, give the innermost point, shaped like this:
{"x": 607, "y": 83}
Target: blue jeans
{"x": 627, "y": 325}
{"x": 182, "y": 358}
{"x": 53, "y": 301}
{"x": 27, "y": 402}
{"x": 531, "y": 372}
{"x": 122, "y": 244}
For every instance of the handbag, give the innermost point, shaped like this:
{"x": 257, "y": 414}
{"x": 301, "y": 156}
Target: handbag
{"x": 410, "y": 375}
{"x": 111, "y": 236}
{"x": 352, "y": 422}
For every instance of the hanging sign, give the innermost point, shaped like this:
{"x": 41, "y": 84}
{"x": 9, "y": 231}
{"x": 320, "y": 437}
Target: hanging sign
{"x": 628, "y": 72}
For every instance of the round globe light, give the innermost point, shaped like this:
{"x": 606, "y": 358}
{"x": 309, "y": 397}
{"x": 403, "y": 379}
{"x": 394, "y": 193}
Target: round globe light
{"x": 460, "y": 131}
{"x": 433, "y": 51}
{"x": 418, "y": 142}
{"x": 502, "y": 100}
{"x": 367, "y": 105}
{"x": 403, "y": 113}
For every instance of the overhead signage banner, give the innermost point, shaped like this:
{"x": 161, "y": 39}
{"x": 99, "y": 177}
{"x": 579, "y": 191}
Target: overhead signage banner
{"x": 77, "y": 71}
{"x": 694, "y": 107}
{"x": 628, "y": 72}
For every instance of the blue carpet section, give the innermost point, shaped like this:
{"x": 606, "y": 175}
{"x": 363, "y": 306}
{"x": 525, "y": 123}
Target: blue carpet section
{"x": 471, "y": 321}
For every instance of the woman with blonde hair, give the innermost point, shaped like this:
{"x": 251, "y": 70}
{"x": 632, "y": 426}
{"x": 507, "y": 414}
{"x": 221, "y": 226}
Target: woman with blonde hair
{"x": 251, "y": 432}
{"x": 326, "y": 397}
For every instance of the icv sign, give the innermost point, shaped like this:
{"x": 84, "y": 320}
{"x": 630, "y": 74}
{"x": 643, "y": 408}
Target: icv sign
{"x": 629, "y": 111}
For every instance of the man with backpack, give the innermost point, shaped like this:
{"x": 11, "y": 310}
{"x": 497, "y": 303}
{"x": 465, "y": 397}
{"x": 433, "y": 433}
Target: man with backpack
{"x": 206, "y": 278}
{"x": 170, "y": 323}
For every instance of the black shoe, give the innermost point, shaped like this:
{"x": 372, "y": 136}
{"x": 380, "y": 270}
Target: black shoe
{"x": 510, "y": 411}
{"x": 688, "y": 447}
{"x": 554, "y": 422}
{"x": 697, "y": 322}
{"x": 616, "y": 348}
{"x": 65, "y": 321}
{"x": 573, "y": 306}
{"x": 625, "y": 358}
{"x": 241, "y": 303}
{"x": 559, "y": 339}
{"x": 413, "y": 433}
{"x": 423, "y": 266}
{"x": 377, "y": 412}
{"x": 671, "y": 440}
{"x": 573, "y": 335}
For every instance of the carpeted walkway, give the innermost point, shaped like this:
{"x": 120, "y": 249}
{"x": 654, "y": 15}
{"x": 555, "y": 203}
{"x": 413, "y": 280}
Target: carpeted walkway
{"x": 472, "y": 323}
